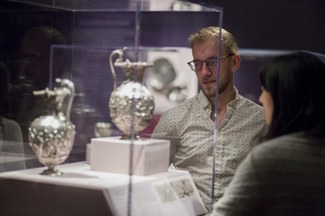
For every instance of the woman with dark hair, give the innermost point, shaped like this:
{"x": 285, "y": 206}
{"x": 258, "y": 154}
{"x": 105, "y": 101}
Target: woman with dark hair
{"x": 11, "y": 145}
{"x": 286, "y": 174}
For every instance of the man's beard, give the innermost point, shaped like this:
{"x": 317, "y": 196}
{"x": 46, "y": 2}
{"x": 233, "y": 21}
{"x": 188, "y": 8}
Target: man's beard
{"x": 212, "y": 92}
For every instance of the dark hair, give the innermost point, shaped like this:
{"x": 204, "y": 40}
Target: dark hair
{"x": 296, "y": 83}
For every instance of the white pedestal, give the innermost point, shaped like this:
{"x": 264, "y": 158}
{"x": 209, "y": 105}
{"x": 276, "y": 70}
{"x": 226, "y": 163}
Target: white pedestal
{"x": 112, "y": 154}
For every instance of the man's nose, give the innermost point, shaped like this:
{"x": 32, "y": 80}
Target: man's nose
{"x": 205, "y": 69}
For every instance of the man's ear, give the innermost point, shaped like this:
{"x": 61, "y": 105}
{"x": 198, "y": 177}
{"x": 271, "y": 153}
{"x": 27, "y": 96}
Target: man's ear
{"x": 235, "y": 62}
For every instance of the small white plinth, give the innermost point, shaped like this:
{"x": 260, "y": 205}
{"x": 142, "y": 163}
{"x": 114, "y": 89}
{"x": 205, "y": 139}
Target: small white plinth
{"x": 112, "y": 154}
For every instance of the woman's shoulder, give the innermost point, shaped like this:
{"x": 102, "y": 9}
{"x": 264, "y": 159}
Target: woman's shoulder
{"x": 281, "y": 145}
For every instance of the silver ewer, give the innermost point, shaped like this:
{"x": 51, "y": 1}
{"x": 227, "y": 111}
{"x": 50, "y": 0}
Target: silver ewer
{"x": 131, "y": 104}
{"x": 51, "y": 136}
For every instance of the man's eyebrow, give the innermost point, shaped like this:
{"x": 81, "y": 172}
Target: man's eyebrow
{"x": 212, "y": 57}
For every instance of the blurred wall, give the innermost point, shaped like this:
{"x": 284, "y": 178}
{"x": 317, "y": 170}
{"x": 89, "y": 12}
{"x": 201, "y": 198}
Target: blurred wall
{"x": 276, "y": 24}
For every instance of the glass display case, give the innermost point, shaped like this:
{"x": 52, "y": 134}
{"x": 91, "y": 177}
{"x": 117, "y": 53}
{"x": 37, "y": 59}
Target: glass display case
{"x": 94, "y": 44}
{"x": 84, "y": 33}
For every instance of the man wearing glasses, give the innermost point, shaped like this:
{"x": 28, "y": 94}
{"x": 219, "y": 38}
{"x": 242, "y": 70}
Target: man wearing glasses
{"x": 190, "y": 127}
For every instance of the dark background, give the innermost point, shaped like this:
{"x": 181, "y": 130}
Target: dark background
{"x": 258, "y": 24}
{"x": 275, "y": 24}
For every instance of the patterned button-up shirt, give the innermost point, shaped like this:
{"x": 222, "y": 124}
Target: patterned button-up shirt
{"x": 191, "y": 133}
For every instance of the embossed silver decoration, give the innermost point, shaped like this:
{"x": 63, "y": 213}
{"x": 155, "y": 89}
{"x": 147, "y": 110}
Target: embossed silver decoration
{"x": 131, "y": 104}
{"x": 103, "y": 129}
{"x": 51, "y": 136}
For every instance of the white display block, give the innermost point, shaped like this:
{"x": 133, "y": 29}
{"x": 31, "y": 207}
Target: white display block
{"x": 112, "y": 154}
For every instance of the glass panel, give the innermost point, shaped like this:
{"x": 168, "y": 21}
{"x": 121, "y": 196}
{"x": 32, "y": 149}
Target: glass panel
{"x": 74, "y": 39}
{"x": 83, "y": 34}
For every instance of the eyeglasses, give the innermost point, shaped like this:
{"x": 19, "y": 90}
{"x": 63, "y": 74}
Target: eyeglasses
{"x": 211, "y": 63}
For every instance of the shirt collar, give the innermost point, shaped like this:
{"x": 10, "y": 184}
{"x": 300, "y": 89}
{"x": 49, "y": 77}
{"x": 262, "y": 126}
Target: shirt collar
{"x": 203, "y": 100}
{"x": 234, "y": 102}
